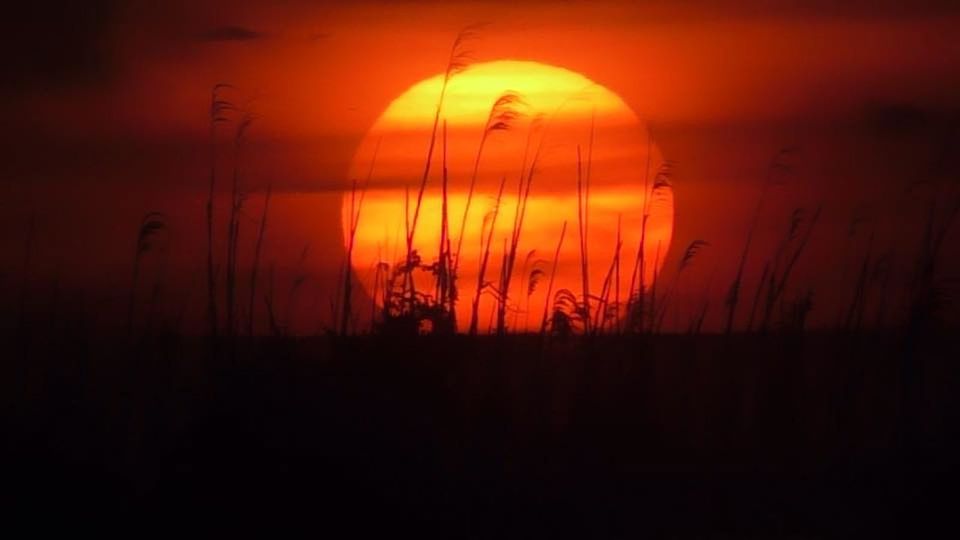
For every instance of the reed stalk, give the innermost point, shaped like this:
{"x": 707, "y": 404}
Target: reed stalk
{"x": 581, "y": 226}
{"x": 616, "y": 293}
{"x": 693, "y": 249}
{"x": 501, "y": 117}
{"x": 484, "y": 259}
{"x": 443, "y": 262}
{"x": 458, "y": 60}
{"x": 733, "y": 295}
{"x": 258, "y": 249}
{"x": 553, "y": 275}
{"x": 237, "y": 198}
{"x": 356, "y": 209}
{"x": 523, "y": 196}
{"x": 218, "y": 109}
{"x": 778, "y": 286}
{"x": 152, "y": 225}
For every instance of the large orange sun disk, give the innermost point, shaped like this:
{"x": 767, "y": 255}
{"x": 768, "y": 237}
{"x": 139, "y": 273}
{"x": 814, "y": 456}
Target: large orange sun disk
{"x": 561, "y": 110}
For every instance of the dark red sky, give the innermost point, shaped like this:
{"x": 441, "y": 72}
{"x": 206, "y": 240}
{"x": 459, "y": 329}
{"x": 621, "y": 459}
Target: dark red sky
{"x": 107, "y": 112}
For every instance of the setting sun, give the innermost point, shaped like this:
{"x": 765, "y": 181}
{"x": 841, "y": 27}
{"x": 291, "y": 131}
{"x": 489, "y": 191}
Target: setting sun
{"x": 556, "y": 114}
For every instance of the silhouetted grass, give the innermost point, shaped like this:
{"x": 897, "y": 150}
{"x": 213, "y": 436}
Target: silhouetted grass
{"x": 217, "y": 115}
{"x": 587, "y": 428}
{"x": 638, "y": 312}
{"x": 255, "y": 268}
{"x": 553, "y": 274}
{"x": 152, "y": 225}
{"x": 356, "y": 209}
{"x": 459, "y": 60}
{"x": 520, "y": 212}
{"x": 503, "y": 114}
{"x": 485, "y": 257}
{"x": 777, "y": 166}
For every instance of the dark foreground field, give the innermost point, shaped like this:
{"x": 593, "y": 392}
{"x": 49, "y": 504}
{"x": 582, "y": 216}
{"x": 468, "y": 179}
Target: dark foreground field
{"x": 660, "y": 437}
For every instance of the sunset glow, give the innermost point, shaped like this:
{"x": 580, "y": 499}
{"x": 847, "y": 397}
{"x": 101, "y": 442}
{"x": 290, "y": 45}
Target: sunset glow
{"x": 597, "y": 269}
{"x": 559, "y": 111}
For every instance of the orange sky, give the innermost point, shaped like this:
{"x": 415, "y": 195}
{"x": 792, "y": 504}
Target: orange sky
{"x": 114, "y": 125}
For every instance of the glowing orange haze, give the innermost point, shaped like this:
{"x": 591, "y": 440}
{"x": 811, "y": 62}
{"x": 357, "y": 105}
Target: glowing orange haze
{"x": 559, "y": 107}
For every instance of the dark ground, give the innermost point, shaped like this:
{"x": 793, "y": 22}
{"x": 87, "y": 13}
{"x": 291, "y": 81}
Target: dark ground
{"x": 820, "y": 436}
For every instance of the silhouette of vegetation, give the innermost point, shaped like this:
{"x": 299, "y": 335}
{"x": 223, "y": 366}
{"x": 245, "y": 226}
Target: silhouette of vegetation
{"x": 219, "y": 108}
{"x": 602, "y": 420}
{"x": 489, "y": 225}
{"x": 460, "y": 58}
{"x": 356, "y": 208}
{"x": 255, "y": 268}
{"x": 637, "y": 309}
{"x": 151, "y": 227}
{"x": 778, "y": 166}
{"x": 503, "y": 114}
{"x": 685, "y": 261}
{"x": 238, "y": 197}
